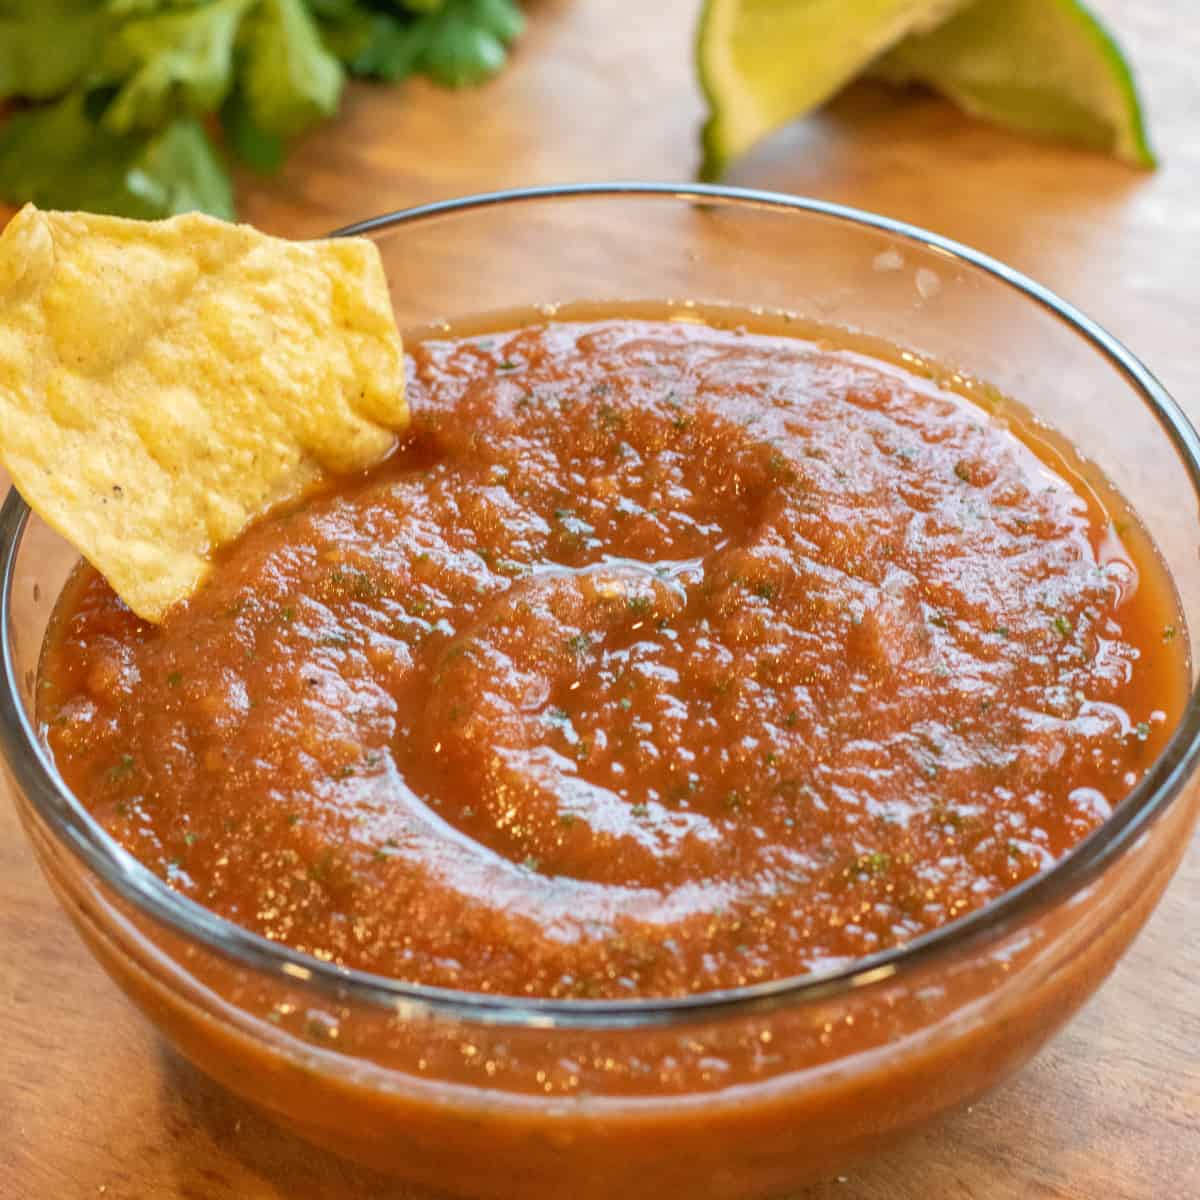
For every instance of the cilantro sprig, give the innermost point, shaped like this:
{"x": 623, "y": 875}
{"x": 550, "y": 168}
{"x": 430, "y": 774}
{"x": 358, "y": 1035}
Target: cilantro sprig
{"x": 132, "y": 107}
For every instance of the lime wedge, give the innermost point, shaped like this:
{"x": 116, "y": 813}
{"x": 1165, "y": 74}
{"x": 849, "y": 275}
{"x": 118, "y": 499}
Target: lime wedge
{"x": 763, "y": 63}
{"x": 1045, "y": 67}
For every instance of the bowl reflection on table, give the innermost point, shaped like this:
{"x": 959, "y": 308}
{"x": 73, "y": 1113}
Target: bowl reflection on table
{"x": 746, "y": 1093}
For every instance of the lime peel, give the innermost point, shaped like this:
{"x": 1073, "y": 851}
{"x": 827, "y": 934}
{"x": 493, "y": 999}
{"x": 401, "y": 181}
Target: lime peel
{"x": 1046, "y": 67}
{"x": 764, "y": 62}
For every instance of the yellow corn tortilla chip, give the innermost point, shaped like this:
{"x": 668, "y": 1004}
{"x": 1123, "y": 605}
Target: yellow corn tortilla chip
{"x": 163, "y": 383}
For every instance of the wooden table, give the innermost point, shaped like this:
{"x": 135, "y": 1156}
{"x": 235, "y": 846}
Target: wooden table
{"x": 92, "y": 1104}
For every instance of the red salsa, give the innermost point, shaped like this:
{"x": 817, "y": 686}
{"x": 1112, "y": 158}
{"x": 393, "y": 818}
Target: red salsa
{"x": 661, "y": 656}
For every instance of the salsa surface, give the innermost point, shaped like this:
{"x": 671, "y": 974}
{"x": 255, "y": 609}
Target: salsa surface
{"x": 659, "y": 658}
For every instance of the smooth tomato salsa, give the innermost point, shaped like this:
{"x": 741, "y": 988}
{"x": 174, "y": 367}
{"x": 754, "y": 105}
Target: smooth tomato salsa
{"x": 660, "y": 657}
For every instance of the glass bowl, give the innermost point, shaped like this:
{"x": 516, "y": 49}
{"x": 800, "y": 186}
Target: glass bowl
{"x": 745, "y": 1093}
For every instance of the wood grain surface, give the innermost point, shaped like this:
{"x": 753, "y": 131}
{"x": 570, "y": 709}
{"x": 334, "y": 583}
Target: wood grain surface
{"x": 93, "y": 1104}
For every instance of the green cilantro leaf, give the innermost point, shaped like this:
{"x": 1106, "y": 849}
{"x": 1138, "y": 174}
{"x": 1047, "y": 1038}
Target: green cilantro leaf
{"x": 60, "y": 156}
{"x": 290, "y": 80}
{"x": 466, "y": 40}
{"x": 387, "y": 48}
{"x": 137, "y": 8}
{"x": 179, "y": 171}
{"x": 254, "y": 145}
{"x": 455, "y": 42}
{"x": 173, "y": 62}
{"x": 47, "y": 45}
{"x": 119, "y": 86}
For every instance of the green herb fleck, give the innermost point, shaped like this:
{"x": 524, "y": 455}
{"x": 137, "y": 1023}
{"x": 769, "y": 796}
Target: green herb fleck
{"x": 1141, "y": 731}
{"x": 962, "y": 471}
{"x": 610, "y": 419}
{"x": 174, "y": 678}
{"x": 1169, "y": 633}
{"x": 640, "y": 810}
{"x": 123, "y": 768}
{"x": 1063, "y": 626}
{"x": 876, "y": 863}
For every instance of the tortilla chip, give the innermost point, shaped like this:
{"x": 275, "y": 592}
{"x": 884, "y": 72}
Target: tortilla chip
{"x": 163, "y": 383}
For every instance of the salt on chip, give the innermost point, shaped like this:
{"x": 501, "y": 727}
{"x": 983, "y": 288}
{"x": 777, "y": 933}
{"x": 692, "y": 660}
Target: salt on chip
{"x": 163, "y": 383}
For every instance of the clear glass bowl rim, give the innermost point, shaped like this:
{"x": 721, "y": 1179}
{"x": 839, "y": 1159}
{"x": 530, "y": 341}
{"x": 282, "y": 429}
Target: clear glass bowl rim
{"x": 69, "y": 822}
